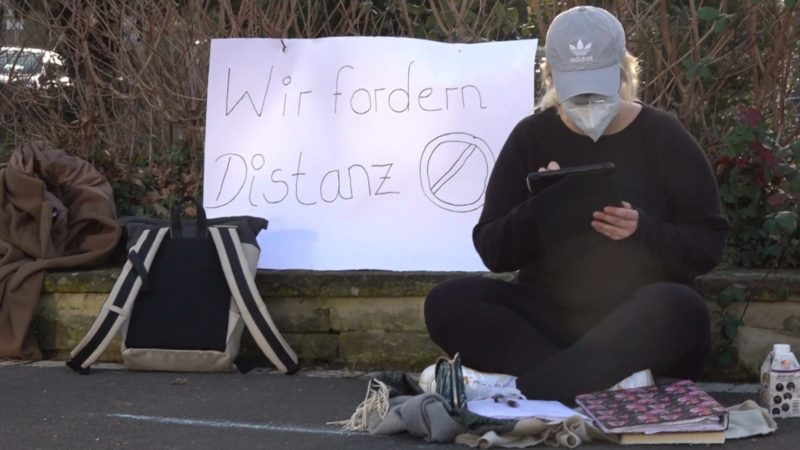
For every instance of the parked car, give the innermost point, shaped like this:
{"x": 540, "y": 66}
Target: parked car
{"x": 32, "y": 67}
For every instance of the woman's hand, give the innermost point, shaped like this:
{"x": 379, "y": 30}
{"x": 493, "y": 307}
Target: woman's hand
{"x": 616, "y": 223}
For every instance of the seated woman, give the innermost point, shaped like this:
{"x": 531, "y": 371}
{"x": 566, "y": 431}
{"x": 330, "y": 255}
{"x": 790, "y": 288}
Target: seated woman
{"x": 593, "y": 307}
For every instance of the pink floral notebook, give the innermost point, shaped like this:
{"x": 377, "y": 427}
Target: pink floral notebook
{"x": 676, "y": 407}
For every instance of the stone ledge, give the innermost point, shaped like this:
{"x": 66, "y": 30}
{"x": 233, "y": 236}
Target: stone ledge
{"x": 374, "y": 319}
{"x": 761, "y": 285}
{"x": 286, "y": 283}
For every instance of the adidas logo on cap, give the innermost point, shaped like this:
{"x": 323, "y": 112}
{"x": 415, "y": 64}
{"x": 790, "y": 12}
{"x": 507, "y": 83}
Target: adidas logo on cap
{"x": 580, "y": 51}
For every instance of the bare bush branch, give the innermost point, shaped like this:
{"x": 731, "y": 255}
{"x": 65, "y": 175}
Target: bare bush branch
{"x": 137, "y": 69}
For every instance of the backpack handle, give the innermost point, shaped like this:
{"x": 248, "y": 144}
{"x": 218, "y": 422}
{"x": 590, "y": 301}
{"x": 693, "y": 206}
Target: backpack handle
{"x": 176, "y": 229}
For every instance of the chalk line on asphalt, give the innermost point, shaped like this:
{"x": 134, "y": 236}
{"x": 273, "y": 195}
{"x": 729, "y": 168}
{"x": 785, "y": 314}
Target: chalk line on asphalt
{"x": 229, "y": 424}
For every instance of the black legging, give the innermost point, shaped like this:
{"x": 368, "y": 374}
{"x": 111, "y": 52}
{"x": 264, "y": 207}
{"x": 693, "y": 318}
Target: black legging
{"x": 504, "y": 327}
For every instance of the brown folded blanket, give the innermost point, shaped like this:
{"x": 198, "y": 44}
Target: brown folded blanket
{"x": 56, "y": 212}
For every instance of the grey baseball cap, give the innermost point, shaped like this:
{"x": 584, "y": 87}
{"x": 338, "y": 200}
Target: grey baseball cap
{"x": 584, "y": 46}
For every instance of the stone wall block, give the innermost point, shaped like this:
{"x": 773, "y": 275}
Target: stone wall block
{"x": 81, "y": 281}
{"x": 387, "y": 350}
{"x": 310, "y": 347}
{"x": 300, "y": 315}
{"x": 386, "y": 314}
{"x": 754, "y": 345}
{"x": 782, "y": 317}
{"x": 63, "y": 319}
{"x": 367, "y": 283}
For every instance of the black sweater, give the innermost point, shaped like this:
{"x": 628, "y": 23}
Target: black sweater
{"x": 660, "y": 170}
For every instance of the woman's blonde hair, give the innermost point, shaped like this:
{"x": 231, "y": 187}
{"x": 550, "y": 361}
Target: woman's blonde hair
{"x": 629, "y": 76}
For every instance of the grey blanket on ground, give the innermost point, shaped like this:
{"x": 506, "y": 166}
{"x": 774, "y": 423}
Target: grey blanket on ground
{"x": 423, "y": 415}
{"x": 427, "y": 416}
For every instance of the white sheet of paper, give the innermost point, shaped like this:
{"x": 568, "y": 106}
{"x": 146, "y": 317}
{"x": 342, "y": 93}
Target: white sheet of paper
{"x": 362, "y": 152}
{"x": 550, "y": 410}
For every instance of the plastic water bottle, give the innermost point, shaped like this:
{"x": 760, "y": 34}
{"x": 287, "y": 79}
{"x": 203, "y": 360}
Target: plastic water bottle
{"x": 780, "y": 382}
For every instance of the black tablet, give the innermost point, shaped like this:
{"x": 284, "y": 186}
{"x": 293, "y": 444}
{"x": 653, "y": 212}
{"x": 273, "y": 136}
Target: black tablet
{"x": 567, "y": 198}
{"x": 539, "y": 181}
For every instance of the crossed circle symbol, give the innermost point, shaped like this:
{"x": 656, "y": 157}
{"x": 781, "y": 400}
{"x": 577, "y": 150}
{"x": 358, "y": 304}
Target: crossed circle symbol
{"x": 453, "y": 171}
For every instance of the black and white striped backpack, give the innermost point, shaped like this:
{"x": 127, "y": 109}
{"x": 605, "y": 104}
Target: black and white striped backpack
{"x": 183, "y": 298}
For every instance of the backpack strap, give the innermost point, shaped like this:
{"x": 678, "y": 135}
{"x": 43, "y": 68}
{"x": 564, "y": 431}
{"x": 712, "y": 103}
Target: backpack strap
{"x": 251, "y": 305}
{"x": 119, "y": 303}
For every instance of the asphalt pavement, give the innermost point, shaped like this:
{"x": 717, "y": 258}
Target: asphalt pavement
{"x": 47, "y": 406}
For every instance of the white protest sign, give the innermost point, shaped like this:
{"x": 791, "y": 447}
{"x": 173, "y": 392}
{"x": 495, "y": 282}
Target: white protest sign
{"x": 363, "y": 153}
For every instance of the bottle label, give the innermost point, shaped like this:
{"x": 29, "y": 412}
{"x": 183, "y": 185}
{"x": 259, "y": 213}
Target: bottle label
{"x": 785, "y": 363}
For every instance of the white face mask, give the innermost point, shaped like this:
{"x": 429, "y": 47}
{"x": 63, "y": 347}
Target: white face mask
{"x": 592, "y": 113}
